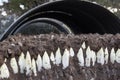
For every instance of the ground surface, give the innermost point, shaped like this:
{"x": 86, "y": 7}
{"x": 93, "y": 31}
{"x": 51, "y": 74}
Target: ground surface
{"x": 38, "y": 44}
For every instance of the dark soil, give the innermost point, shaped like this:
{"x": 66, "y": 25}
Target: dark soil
{"x": 38, "y": 44}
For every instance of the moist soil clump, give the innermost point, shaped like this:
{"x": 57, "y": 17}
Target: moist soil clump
{"x": 13, "y": 46}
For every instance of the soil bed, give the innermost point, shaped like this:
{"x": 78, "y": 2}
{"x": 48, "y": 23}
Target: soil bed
{"x": 38, "y": 44}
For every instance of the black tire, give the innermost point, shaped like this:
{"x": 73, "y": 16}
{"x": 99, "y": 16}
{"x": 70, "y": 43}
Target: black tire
{"x": 79, "y": 16}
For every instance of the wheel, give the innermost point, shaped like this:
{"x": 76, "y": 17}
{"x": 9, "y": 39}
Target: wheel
{"x": 79, "y": 17}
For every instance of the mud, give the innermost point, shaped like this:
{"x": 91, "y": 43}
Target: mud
{"x": 38, "y": 44}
